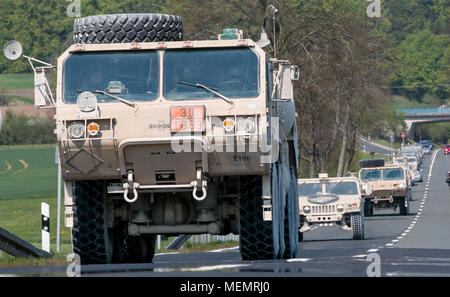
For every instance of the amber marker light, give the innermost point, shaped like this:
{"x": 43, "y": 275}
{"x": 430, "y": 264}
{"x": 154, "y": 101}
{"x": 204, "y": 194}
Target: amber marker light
{"x": 93, "y": 129}
{"x": 228, "y": 124}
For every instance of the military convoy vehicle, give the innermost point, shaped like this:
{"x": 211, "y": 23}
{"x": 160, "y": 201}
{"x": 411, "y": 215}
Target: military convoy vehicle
{"x": 412, "y": 164}
{"x": 331, "y": 201}
{"x": 163, "y": 136}
{"x": 388, "y": 184}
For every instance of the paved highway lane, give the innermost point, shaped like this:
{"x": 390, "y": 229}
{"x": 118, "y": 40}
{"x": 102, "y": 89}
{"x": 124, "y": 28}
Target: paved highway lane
{"x": 413, "y": 245}
{"x": 367, "y": 146}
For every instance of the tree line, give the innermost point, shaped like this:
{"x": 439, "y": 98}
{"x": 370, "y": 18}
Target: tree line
{"x": 350, "y": 64}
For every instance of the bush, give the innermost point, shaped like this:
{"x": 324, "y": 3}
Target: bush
{"x": 22, "y": 129}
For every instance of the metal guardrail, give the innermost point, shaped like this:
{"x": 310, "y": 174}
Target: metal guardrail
{"x": 425, "y": 111}
{"x": 18, "y": 247}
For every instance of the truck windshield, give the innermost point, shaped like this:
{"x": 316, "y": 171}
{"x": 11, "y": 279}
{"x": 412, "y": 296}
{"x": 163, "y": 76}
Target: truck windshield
{"x": 309, "y": 189}
{"x": 232, "y": 72}
{"x": 390, "y": 174}
{"x": 130, "y": 75}
{"x": 342, "y": 188}
{"x": 371, "y": 175}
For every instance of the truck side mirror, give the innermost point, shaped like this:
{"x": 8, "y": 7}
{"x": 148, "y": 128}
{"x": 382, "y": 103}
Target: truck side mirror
{"x": 295, "y": 73}
{"x": 43, "y": 97}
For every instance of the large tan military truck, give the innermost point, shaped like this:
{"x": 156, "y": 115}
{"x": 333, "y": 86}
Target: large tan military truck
{"x": 387, "y": 184}
{"x": 163, "y": 136}
{"x": 331, "y": 201}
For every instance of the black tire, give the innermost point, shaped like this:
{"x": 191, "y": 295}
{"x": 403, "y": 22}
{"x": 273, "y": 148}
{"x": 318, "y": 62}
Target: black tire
{"x": 90, "y": 238}
{"x": 368, "y": 209}
{"x": 357, "y": 224}
{"x": 132, "y": 249}
{"x": 404, "y": 210}
{"x": 127, "y": 28}
{"x": 256, "y": 236}
{"x": 292, "y": 219}
{"x": 300, "y": 236}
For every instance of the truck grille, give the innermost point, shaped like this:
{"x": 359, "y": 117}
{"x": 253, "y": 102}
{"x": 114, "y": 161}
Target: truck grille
{"x": 323, "y": 209}
{"x": 382, "y": 193}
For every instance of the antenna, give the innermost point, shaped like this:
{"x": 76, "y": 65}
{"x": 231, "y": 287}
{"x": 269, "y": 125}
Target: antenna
{"x": 264, "y": 41}
{"x": 12, "y": 50}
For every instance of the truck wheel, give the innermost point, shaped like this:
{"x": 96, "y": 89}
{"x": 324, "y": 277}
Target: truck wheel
{"x": 132, "y": 249}
{"x": 90, "y": 238}
{"x": 292, "y": 219}
{"x": 404, "y": 210}
{"x": 256, "y": 240}
{"x": 127, "y": 28}
{"x": 300, "y": 236}
{"x": 357, "y": 223}
{"x": 368, "y": 209}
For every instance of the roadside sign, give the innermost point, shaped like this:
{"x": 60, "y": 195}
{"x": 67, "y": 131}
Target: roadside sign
{"x": 403, "y": 135}
{"x": 57, "y": 156}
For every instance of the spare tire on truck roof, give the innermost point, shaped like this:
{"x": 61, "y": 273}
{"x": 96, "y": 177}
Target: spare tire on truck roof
{"x": 127, "y": 28}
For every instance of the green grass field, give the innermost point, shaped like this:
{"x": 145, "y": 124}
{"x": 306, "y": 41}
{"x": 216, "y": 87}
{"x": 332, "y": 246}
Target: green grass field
{"x": 16, "y": 81}
{"x": 27, "y": 172}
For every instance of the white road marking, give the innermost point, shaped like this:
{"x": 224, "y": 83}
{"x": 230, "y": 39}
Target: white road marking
{"x": 161, "y": 254}
{"x": 299, "y": 260}
{"x": 224, "y": 249}
{"x": 215, "y": 267}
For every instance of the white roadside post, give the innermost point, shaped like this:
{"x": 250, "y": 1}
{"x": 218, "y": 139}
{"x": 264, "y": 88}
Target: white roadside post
{"x": 58, "y": 213}
{"x": 45, "y": 215}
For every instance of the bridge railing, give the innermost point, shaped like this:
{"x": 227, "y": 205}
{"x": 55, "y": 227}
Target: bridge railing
{"x": 425, "y": 111}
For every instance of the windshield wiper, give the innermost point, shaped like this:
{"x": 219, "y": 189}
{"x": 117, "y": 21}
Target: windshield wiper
{"x": 212, "y": 90}
{"x": 111, "y": 95}
{"x": 115, "y": 97}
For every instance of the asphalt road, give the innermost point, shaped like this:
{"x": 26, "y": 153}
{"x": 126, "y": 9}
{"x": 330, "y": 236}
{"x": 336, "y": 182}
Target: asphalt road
{"x": 367, "y": 146}
{"x": 413, "y": 245}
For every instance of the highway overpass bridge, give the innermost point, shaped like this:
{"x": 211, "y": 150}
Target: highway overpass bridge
{"x": 424, "y": 115}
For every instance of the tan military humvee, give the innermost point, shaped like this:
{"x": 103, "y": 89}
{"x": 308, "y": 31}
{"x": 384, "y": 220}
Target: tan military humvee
{"x": 388, "y": 185}
{"x": 328, "y": 201}
{"x": 162, "y": 136}
{"x": 412, "y": 164}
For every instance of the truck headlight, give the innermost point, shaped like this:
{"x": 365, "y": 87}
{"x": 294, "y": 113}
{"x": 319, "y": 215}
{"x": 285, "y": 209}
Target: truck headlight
{"x": 87, "y": 102}
{"x": 76, "y": 130}
{"x": 306, "y": 209}
{"x": 340, "y": 208}
{"x": 246, "y": 125}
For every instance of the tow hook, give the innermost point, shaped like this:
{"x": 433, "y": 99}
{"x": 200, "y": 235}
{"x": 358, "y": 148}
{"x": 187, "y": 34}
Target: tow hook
{"x": 199, "y": 182}
{"x": 130, "y": 185}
